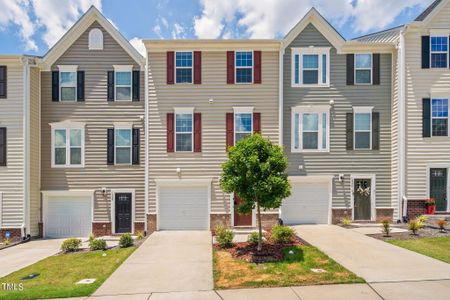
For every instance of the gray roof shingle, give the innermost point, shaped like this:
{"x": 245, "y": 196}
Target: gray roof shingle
{"x": 428, "y": 11}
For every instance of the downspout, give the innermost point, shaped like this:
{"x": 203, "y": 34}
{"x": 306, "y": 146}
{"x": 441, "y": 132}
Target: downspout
{"x": 147, "y": 141}
{"x": 280, "y": 93}
{"x": 25, "y": 228}
{"x": 402, "y": 200}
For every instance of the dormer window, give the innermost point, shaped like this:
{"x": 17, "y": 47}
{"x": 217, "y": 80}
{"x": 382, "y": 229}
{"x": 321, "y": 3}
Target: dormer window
{"x": 95, "y": 39}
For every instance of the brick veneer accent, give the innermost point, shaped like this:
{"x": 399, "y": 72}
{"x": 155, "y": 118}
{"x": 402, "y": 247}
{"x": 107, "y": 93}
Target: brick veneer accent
{"x": 415, "y": 208}
{"x": 385, "y": 213}
{"x": 101, "y": 229}
{"x": 219, "y": 219}
{"x": 41, "y": 229}
{"x": 139, "y": 226}
{"x": 16, "y": 234}
{"x": 268, "y": 220}
{"x": 151, "y": 224}
{"x": 337, "y": 214}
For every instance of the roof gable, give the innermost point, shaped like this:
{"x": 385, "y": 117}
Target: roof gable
{"x": 92, "y": 15}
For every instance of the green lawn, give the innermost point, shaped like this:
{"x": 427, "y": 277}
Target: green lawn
{"x": 295, "y": 269}
{"x": 437, "y": 247}
{"x": 58, "y": 274}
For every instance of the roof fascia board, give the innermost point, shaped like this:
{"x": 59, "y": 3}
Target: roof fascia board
{"x": 211, "y": 45}
{"x": 353, "y": 47}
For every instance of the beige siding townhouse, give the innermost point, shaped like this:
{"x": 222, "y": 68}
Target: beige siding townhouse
{"x": 19, "y": 147}
{"x": 204, "y": 95}
{"x": 92, "y": 97}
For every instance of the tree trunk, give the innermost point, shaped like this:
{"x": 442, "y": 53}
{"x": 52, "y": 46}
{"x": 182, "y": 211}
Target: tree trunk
{"x": 259, "y": 228}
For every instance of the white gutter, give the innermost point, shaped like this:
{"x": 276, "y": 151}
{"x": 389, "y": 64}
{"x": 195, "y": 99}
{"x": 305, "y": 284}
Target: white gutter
{"x": 402, "y": 124}
{"x": 147, "y": 141}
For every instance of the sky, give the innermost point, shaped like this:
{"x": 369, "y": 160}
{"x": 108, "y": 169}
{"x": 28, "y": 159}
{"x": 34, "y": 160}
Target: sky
{"x": 33, "y": 26}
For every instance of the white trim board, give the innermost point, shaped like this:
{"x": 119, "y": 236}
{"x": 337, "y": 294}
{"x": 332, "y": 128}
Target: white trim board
{"x": 113, "y": 207}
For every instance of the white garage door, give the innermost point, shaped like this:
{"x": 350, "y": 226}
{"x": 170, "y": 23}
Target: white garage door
{"x": 183, "y": 208}
{"x": 308, "y": 204}
{"x": 68, "y": 216}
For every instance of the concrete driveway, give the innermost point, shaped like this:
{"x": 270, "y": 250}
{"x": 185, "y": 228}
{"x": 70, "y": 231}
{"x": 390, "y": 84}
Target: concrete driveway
{"x": 168, "y": 261}
{"x": 372, "y": 259}
{"x": 23, "y": 255}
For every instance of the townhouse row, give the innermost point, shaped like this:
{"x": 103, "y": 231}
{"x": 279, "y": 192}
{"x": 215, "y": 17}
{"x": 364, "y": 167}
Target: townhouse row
{"x": 96, "y": 138}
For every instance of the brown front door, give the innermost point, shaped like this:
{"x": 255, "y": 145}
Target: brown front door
{"x": 241, "y": 220}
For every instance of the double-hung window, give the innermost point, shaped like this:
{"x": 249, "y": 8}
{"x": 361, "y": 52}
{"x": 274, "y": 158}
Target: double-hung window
{"x": 310, "y": 67}
{"x": 67, "y": 145}
{"x": 363, "y": 68}
{"x": 123, "y": 82}
{"x": 439, "y": 117}
{"x": 310, "y": 128}
{"x": 184, "y": 130}
{"x": 362, "y": 128}
{"x": 68, "y": 83}
{"x": 122, "y": 146}
{"x": 439, "y": 51}
{"x": 244, "y": 66}
{"x": 183, "y": 67}
{"x": 243, "y": 125}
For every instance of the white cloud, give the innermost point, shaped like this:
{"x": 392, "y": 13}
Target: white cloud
{"x": 269, "y": 18}
{"x": 139, "y": 45}
{"x": 16, "y": 12}
{"x": 178, "y": 31}
{"x": 161, "y": 25}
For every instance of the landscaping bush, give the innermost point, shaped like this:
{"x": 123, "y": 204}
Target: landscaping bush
{"x": 91, "y": 237}
{"x": 253, "y": 238}
{"x": 386, "y": 227}
{"x": 282, "y": 234}
{"x": 441, "y": 223}
{"x": 97, "y": 244}
{"x": 126, "y": 240}
{"x": 71, "y": 245}
{"x": 414, "y": 226}
{"x": 346, "y": 221}
{"x": 224, "y": 236}
{"x": 140, "y": 235}
{"x": 422, "y": 220}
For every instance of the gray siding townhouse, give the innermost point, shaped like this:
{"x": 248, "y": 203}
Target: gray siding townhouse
{"x": 92, "y": 104}
{"x": 337, "y": 106}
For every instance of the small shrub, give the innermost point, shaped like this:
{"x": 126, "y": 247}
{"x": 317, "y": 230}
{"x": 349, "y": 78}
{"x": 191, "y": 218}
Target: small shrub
{"x": 346, "y": 221}
{"x": 282, "y": 234}
{"x": 97, "y": 244}
{"x": 224, "y": 236}
{"x": 253, "y": 238}
{"x": 386, "y": 227}
{"x": 414, "y": 226}
{"x": 91, "y": 238}
{"x": 126, "y": 240}
{"x": 71, "y": 245}
{"x": 441, "y": 223}
{"x": 5, "y": 242}
{"x": 422, "y": 220}
{"x": 140, "y": 235}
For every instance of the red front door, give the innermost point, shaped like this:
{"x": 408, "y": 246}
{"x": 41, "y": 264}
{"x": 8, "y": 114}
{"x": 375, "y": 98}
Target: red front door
{"x": 241, "y": 220}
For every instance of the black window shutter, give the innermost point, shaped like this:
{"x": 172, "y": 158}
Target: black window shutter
{"x": 136, "y": 143}
{"x": 426, "y": 117}
{"x": 425, "y": 52}
{"x": 80, "y": 86}
{"x": 136, "y": 84}
{"x": 110, "y": 85}
{"x": 55, "y": 86}
{"x": 349, "y": 128}
{"x": 3, "y": 150}
{"x": 375, "y": 131}
{"x": 350, "y": 69}
{"x": 110, "y": 147}
{"x": 376, "y": 68}
{"x": 3, "y": 81}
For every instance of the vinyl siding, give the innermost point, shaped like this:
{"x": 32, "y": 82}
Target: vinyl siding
{"x": 339, "y": 160}
{"x": 207, "y": 164}
{"x": 99, "y": 115}
{"x": 12, "y": 176}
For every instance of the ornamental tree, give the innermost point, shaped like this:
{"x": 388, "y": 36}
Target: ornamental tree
{"x": 256, "y": 173}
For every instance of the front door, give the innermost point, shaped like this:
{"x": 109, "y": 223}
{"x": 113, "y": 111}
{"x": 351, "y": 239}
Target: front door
{"x": 123, "y": 212}
{"x": 361, "y": 195}
{"x": 438, "y": 188}
{"x": 241, "y": 220}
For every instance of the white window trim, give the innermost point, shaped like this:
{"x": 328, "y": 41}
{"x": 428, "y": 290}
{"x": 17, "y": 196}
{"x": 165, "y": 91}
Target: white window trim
{"x": 68, "y": 125}
{"x": 438, "y": 96}
{"x": 186, "y": 68}
{"x": 440, "y": 33}
{"x": 319, "y": 109}
{"x": 179, "y": 111}
{"x": 123, "y": 126}
{"x": 236, "y": 67}
{"x": 241, "y": 110}
{"x": 71, "y": 69}
{"x": 362, "y": 110}
{"x": 362, "y": 69}
{"x": 95, "y": 44}
{"x": 123, "y": 68}
{"x": 315, "y": 51}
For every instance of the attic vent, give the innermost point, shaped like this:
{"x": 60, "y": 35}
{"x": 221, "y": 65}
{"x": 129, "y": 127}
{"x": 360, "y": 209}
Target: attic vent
{"x": 95, "y": 39}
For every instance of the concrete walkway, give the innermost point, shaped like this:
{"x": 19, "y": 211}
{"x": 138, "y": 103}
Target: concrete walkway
{"x": 168, "y": 261}
{"x": 15, "y": 258}
{"x": 372, "y": 259}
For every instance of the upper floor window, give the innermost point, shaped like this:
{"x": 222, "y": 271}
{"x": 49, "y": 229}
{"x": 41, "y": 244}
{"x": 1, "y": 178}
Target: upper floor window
{"x": 123, "y": 82}
{"x": 183, "y": 67}
{"x": 184, "y": 130}
{"x": 68, "y": 83}
{"x": 439, "y": 117}
{"x": 95, "y": 39}
{"x": 310, "y": 128}
{"x": 244, "y": 66}
{"x": 67, "y": 144}
{"x": 310, "y": 67}
{"x": 362, "y": 128}
{"x": 439, "y": 51}
{"x": 123, "y": 144}
{"x": 363, "y": 68}
{"x": 3, "y": 81}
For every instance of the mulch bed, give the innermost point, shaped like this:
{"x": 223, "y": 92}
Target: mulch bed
{"x": 426, "y": 232}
